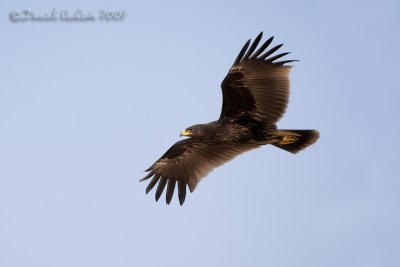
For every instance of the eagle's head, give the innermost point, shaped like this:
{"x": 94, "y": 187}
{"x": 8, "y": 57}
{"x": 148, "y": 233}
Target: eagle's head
{"x": 196, "y": 131}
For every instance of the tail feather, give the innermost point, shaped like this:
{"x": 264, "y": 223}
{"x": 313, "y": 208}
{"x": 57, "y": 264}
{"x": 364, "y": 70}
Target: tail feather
{"x": 295, "y": 140}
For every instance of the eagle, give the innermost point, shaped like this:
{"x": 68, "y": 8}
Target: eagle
{"x": 255, "y": 96}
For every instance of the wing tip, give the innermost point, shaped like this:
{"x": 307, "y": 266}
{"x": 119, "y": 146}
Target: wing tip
{"x": 249, "y": 51}
{"x": 151, "y": 173}
{"x": 283, "y": 62}
{"x": 170, "y": 190}
{"x": 160, "y": 188}
{"x": 152, "y": 183}
{"x": 241, "y": 53}
{"x": 149, "y": 168}
{"x": 181, "y": 192}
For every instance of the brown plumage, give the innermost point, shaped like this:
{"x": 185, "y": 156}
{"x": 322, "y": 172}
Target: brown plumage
{"x": 255, "y": 96}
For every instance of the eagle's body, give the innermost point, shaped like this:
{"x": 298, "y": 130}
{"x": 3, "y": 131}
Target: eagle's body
{"x": 255, "y": 96}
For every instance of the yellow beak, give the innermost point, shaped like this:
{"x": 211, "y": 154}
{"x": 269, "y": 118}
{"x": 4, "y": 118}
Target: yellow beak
{"x": 185, "y": 133}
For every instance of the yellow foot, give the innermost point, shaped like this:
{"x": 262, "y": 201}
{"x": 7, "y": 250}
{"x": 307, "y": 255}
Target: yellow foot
{"x": 289, "y": 139}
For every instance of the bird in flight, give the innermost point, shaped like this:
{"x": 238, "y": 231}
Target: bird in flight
{"x": 255, "y": 96}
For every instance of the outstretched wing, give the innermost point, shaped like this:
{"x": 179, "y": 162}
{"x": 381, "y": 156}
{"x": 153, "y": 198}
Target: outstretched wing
{"x": 256, "y": 83}
{"x": 185, "y": 164}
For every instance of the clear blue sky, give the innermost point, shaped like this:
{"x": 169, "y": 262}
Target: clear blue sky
{"x": 85, "y": 107}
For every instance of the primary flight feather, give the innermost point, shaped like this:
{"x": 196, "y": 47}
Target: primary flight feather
{"x": 255, "y": 96}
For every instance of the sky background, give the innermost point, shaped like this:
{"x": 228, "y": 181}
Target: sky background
{"x": 85, "y": 107}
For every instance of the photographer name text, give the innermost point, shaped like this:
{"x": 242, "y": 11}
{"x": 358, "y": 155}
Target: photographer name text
{"x": 24, "y": 15}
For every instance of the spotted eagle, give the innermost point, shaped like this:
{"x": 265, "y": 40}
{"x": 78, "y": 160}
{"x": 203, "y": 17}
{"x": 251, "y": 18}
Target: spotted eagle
{"x": 255, "y": 96}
